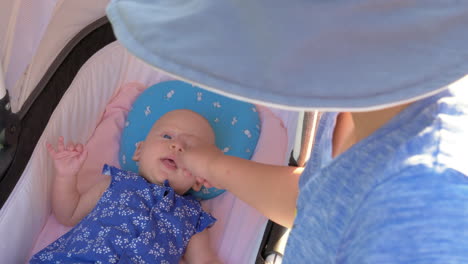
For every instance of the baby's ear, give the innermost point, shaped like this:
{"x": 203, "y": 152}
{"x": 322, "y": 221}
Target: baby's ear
{"x": 137, "y": 154}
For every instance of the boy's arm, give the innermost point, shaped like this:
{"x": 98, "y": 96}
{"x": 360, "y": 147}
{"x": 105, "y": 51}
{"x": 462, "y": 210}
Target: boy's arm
{"x": 199, "y": 250}
{"x": 417, "y": 216}
{"x": 271, "y": 189}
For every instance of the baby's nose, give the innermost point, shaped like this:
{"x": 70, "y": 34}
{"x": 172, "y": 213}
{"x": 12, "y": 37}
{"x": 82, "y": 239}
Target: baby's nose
{"x": 177, "y": 146}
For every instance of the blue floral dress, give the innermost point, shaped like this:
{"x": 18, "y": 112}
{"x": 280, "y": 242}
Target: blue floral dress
{"x": 134, "y": 222}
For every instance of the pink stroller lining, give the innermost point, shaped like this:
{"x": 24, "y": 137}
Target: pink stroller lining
{"x": 103, "y": 147}
{"x": 25, "y": 217}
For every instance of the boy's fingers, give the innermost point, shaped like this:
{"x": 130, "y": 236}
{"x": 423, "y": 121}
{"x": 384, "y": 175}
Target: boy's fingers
{"x": 190, "y": 141}
{"x": 204, "y": 182}
{"x": 207, "y": 184}
{"x": 200, "y": 180}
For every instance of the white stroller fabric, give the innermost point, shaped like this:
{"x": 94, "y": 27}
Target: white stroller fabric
{"x": 28, "y": 207}
{"x": 32, "y": 34}
{"x": 22, "y": 24}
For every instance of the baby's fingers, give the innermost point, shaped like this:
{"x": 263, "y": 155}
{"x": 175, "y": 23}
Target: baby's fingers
{"x": 79, "y": 148}
{"x": 83, "y": 155}
{"x": 50, "y": 149}
{"x": 60, "y": 145}
{"x": 70, "y": 146}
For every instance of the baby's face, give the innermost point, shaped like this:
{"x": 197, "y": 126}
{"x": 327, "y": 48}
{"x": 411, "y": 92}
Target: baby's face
{"x": 158, "y": 155}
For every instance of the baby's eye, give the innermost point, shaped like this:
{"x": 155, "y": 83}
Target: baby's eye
{"x": 166, "y": 136}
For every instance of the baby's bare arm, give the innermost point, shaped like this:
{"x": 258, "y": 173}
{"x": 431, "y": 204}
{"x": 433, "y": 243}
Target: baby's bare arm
{"x": 68, "y": 205}
{"x": 199, "y": 250}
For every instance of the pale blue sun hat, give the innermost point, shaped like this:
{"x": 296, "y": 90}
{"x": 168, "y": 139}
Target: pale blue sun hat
{"x": 325, "y": 55}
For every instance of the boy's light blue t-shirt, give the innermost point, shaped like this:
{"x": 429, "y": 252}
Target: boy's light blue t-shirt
{"x": 399, "y": 196}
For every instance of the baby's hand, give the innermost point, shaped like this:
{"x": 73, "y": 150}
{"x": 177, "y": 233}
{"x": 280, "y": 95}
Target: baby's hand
{"x": 67, "y": 160}
{"x": 197, "y": 158}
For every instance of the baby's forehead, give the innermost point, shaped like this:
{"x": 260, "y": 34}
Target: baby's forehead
{"x": 181, "y": 115}
{"x": 190, "y": 126}
{"x": 163, "y": 126}
{"x": 188, "y": 123}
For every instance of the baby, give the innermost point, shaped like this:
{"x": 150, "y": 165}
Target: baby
{"x": 131, "y": 218}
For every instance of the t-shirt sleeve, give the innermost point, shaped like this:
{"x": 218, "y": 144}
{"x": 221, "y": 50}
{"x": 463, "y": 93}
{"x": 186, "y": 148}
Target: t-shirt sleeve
{"x": 205, "y": 220}
{"x": 414, "y": 218}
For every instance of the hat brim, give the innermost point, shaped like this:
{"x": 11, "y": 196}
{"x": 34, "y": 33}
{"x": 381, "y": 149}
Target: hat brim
{"x": 340, "y": 56}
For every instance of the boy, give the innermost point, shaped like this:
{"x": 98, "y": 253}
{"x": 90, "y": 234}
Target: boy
{"x": 393, "y": 189}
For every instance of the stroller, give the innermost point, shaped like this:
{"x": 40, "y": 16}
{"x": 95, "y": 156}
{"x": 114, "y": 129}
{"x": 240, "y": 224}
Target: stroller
{"x": 60, "y": 58}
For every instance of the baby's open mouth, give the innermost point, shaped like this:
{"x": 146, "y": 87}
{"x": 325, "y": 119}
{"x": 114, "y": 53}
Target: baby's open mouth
{"x": 169, "y": 163}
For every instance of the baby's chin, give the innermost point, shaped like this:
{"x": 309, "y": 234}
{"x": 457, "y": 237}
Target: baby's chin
{"x": 152, "y": 178}
{"x": 159, "y": 178}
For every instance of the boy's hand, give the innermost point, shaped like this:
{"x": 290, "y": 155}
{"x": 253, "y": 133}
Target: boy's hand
{"x": 67, "y": 159}
{"x": 198, "y": 158}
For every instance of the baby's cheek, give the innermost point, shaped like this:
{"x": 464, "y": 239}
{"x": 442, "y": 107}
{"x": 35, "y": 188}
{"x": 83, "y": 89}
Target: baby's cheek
{"x": 162, "y": 175}
{"x": 186, "y": 175}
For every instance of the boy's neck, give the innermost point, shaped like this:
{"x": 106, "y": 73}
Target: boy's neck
{"x": 366, "y": 123}
{"x": 363, "y": 125}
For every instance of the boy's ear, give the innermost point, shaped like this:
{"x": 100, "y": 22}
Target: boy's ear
{"x": 137, "y": 154}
